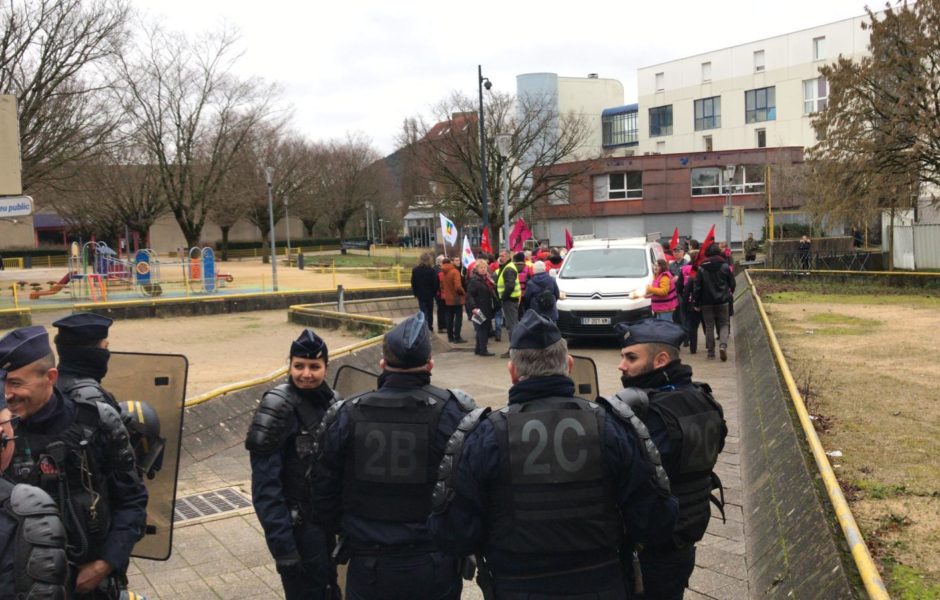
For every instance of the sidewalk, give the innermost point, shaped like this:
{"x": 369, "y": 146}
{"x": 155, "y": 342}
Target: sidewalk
{"x": 227, "y": 558}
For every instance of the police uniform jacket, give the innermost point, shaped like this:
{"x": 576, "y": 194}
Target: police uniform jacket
{"x": 8, "y": 525}
{"x": 334, "y": 445}
{"x": 462, "y": 527}
{"x": 126, "y": 494}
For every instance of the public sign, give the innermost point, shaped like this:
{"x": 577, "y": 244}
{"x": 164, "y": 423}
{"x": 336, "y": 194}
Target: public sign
{"x": 15, "y": 206}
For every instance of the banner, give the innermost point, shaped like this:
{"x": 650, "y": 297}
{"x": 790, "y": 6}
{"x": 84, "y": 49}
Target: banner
{"x": 674, "y": 241}
{"x": 466, "y": 255}
{"x": 569, "y": 243}
{"x": 485, "y": 242}
{"x": 709, "y": 240}
{"x": 449, "y": 230}
{"x": 519, "y": 234}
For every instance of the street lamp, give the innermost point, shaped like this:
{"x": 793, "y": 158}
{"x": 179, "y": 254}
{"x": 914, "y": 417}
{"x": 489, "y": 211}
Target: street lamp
{"x": 729, "y": 178}
{"x": 481, "y": 83}
{"x": 504, "y": 145}
{"x": 381, "y": 230}
{"x": 269, "y": 178}
{"x": 287, "y": 228}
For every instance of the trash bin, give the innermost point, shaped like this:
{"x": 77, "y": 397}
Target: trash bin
{"x": 300, "y": 262}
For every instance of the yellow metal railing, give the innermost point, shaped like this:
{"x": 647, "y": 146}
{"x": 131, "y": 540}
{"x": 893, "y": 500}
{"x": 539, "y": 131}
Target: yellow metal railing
{"x": 853, "y": 535}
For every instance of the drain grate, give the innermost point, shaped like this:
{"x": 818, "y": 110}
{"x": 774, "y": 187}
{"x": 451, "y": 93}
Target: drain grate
{"x": 209, "y": 504}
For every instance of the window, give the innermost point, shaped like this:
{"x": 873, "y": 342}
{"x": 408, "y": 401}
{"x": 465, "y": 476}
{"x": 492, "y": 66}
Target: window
{"x": 660, "y": 147}
{"x": 758, "y": 61}
{"x": 660, "y": 82}
{"x": 620, "y": 129}
{"x": 560, "y": 194}
{"x": 815, "y": 95}
{"x": 618, "y": 186}
{"x": 706, "y": 72}
{"x": 661, "y": 121}
{"x": 760, "y": 105}
{"x": 707, "y": 141}
{"x": 708, "y": 113}
{"x": 761, "y": 136}
{"x": 710, "y": 181}
{"x": 819, "y": 48}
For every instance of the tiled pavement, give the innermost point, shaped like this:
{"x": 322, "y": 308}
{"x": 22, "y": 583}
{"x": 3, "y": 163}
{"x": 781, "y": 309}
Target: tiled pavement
{"x": 227, "y": 558}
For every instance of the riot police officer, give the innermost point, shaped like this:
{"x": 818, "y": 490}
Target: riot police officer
{"x": 281, "y": 442}
{"x": 78, "y": 452}
{"x": 543, "y": 489}
{"x": 82, "y": 346}
{"x": 688, "y": 427}
{"x": 377, "y": 458}
{"x": 27, "y": 508}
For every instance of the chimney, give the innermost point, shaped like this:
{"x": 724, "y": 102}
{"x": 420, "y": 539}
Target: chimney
{"x": 592, "y": 76}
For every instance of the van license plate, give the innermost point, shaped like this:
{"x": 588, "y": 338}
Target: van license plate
{"x": 595, "y": 320}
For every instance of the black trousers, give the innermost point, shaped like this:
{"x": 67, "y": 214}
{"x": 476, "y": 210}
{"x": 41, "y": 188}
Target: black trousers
{"x": 665, "y": 574}
{"x": 420, "y": 577}
{"x": 482, "y": 336}
{"x": 441, "y": 314}
{"x": 317, "y": 579}
{"x": 426, "y": 305}
{"x": 454, "y": 321}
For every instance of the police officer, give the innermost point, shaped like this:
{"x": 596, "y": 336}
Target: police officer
{"x": 25, "y": 508}
{"x": 688, "y": 427}
{"x": 378, "y": 455}
{"x": 280, "y": 442}
{"x": 82, "y": 346}
{"x": 78, "y": 452}
{"x": 543, "y": 489}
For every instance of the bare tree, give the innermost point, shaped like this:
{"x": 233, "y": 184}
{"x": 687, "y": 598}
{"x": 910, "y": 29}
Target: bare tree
{"x": 53, "y": 55}
{"x": 352, "y": 177}
{"x": 444, "y": 154}
{"x": 183, "y": 104}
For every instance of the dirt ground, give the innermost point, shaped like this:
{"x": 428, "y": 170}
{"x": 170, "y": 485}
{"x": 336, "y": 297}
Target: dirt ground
{"x": 870, "y": 374}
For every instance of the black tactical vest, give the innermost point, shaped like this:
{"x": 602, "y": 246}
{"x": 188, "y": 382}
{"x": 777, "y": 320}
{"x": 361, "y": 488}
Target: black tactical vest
{"x": 66, "y": 466}
{"x": 696, "y": 428}
{"x": 552, "y": 495}
{"x": 391, "y": 467}
{"x": 298, "y": 456}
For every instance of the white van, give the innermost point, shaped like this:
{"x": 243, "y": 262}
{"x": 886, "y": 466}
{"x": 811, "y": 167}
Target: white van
{"x": 596, "y": 281}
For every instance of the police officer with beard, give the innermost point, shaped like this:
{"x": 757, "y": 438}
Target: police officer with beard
{"x": 82, "y": 346}
{"x": 78, "y": 452}
{"x": 378, "y": 455}
{"x": 688, "y": 427}
{"x": 32, "y": 565}
{"x": 543, "y": 489}
{"x": 281, "y": 441}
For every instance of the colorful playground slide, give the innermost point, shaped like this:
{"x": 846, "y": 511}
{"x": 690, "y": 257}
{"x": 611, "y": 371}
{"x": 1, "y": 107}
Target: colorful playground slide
{"x": 55, "y": 289}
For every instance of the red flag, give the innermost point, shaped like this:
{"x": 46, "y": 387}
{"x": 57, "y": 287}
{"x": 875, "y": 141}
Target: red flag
{"x": 569, "y": 243}
{"x": 485, "y": 241}
{"x": 674, "y": 241}
{"x": 709, "y": 240}
{"x": 519, "y": 234}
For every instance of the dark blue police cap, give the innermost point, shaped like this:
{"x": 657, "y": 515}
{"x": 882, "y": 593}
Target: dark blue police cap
{"x": 82, "y": 327}
{"x": 409, "y": 343}
{"x": 21, "y": 347}
{"x": 534, "y": 332}
{"x": 309, "y": 345}
{"x": 650, "y": 331}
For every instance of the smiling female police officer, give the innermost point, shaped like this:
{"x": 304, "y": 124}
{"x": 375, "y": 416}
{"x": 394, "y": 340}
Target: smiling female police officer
{"x": 281, "y": 445}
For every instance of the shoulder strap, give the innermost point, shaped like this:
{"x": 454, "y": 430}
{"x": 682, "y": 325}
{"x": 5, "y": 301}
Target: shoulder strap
{"x": 329, "y": 417}
{"x": 443, "y": 493}
{"x": 627, "y": 416}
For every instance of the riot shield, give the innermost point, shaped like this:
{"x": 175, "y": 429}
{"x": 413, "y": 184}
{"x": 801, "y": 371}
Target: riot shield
{"x": 160, "y": 381}
{"x": 584, "y": 374}
{"x": 350, "y": 380}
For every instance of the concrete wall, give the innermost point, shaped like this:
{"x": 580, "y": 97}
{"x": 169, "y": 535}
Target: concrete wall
{"x": 165, "y": 235}
{"x": 18, "y": 234}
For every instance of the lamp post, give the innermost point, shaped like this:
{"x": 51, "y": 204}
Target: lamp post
{"x": 729, "y": 177}
{"x": 504, "y": 145}
{"x": 287, "y": 227}
{"x": 481, "y": 83}
{"x": 269, "y": 178}
{"x": 381, "y": 230}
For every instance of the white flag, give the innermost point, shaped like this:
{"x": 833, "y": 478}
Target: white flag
{"x": 449, "y": 230}
{"x": 466, "y": 255}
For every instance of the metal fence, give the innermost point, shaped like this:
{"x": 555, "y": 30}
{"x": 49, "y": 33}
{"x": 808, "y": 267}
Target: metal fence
{"x": 826, "y": 261}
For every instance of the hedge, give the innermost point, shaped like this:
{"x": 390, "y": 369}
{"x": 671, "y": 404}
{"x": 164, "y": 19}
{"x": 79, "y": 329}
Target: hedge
{"x": 24, "y": 252}
{"x": 295, "y": 243}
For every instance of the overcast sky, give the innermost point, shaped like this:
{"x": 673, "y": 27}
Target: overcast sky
{"x": 365, "y": 65}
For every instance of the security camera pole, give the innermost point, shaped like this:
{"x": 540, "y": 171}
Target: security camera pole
{"x": 486, "y": 212}
{"x": 269, "y": 178}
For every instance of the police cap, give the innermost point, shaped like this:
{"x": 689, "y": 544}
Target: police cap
{"x": 82, "y": 327}
{"x": 650, "y": 331}
{"x": 409, "y": 343}
{"x": 21, "y": 347}
{"x": 309, "y": 345}
{"x": 534, "y": 332}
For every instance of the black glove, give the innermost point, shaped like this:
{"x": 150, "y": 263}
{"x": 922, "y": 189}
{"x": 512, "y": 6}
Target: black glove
{"x": 290, "y": 564}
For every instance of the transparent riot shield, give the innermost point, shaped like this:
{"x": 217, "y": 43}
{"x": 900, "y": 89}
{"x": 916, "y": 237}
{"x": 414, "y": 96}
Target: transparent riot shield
{"x": 584, "y": 374}
{"x": 350, "y": 380}
{"x": 159, "y": 380}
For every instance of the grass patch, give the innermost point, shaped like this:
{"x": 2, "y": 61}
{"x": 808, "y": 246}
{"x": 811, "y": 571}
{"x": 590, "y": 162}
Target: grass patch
{"x": 880, "y": 491}
{"x": 839, "y": 324}
{"x": 876, "y": 297}
{"x": 353, "y": 260}
{"x": 906, "y": 583}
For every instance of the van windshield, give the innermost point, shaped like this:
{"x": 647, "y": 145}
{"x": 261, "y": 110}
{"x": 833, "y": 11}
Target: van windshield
{"x": 605, "y": 262}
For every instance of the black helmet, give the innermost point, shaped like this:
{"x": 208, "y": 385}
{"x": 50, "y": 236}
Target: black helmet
{"x": 143, "y": 428}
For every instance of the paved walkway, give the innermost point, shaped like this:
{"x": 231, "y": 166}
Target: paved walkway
{"x": 227, "y": 558}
